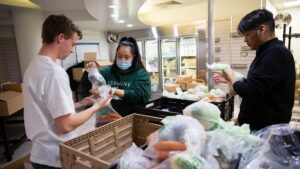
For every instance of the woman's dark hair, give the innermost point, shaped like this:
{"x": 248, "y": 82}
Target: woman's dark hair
{"x": 57, "y": 24}
{"x": 134, "y": 48}
{"x": 254, "y": 19}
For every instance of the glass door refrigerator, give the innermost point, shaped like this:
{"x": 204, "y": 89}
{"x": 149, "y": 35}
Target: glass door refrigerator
{"x": 169, "y": 60}
{"x": 188, "y": 56}
{"x": 140, "y": 45}
{"x": 152, "y": 63}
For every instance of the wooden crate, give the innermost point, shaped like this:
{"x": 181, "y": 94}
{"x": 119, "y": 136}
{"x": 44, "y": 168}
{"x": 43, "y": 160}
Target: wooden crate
{"x": 100, "y": 147}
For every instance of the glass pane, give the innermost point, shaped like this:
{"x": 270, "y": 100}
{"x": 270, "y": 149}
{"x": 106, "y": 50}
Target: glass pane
{"x": 151, "y": 51}
{"x": 188, "y": 52}
{"x": 169, "y": 59}
{"x": 140, "y": 45}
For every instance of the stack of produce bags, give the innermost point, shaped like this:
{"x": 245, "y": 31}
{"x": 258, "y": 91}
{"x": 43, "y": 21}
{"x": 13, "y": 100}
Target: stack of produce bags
{"x": 200, "y": 92}
{"x": 202, "y": 140}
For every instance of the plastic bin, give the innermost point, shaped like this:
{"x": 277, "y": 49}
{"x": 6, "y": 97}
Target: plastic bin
{"x": 164, "y": 106}
{"x": 102, "y": 146}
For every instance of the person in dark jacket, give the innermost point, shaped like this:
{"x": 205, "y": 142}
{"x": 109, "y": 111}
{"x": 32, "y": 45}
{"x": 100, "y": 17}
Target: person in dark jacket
{"x": 268, "y": 91}
{"x": 127, "y": 75}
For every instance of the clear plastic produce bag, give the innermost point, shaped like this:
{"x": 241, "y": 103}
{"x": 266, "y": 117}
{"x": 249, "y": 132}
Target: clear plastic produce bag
{"x": 95, "y": 78}
{"x": 284, "y": 153}
{"x": 108, "y": 114}
{"x": 133, "y": 158}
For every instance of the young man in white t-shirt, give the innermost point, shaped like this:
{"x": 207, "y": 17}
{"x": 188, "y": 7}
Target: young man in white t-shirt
{"x": 49, "y": 111}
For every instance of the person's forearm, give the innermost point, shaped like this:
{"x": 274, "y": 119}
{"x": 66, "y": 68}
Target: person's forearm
{"x": 119, "y": 92}
{"x": 78, "y": 105}
{"x": 76, "y": 119}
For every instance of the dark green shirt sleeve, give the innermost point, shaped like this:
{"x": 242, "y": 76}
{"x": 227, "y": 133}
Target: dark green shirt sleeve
{"x": 140, "y": 91}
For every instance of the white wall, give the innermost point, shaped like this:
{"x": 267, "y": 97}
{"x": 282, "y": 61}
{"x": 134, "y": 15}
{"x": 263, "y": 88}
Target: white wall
{"x": 271, "y": 7}
{"x": 27, "y": 26}
{"x": 99, "y": 37}
{"x": 295, "y": 12}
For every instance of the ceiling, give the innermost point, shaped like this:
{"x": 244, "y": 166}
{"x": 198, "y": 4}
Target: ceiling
{"x": 95, "y": 15}
{"x": 279, "y": 3}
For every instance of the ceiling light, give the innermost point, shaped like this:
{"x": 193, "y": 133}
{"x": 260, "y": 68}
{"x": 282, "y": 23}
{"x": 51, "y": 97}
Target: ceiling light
{"x": 20, "y": 3}
{"x": 121, "y": 21}
{"x": 113, "y": 6}
{"x": 292, "y": 3}
{"x": 175, "y": 30}
{"x": 154, "y": 32}
{"x": 129, "y": 25}
{"x": 114, "y": 15}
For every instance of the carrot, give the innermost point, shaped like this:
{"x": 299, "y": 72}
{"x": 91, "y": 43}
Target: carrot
{"x": 162, "y": 155}
{"x": 114, "y": 116}
{"x": 170, "y": 146}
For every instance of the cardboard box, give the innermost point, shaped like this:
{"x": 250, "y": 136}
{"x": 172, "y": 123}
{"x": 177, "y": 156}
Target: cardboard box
{"x": 100, "y": 63}
{"x": 103, "y": 63}
{"x": 10, "y": 102}
{"x": 183, "y": 79}
{"x": 171, "y": 87}
{"x": 19, "y": 163}
{"x": 77, "y": 73}
{"x": 183, "y": 86}
{"x": 90, "y": 56}
{"x": 12, "y": 86}
{"x": 192, "y": 85}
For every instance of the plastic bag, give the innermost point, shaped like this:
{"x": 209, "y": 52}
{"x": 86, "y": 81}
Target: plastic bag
{"x": 207, "y": 113}
{"x": 217, "y": 93}
{"x": 108, "y": 114}
{"x": 178, "y": 128}
{"x": 133, "y": 158}
{"x": 233, "y": 145}
{"x": 187, "y": 161}
{"x": 95, "y": 78}
{"x": 284, "y": 152}
{"x": 217, "y": 66}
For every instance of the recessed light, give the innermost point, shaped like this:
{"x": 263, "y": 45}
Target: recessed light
{"x": 113, "y": 6}
{"x": 129, "y": 25}
{"x": 114, "y": 15}
{"x": 291, "y": 3}
{"x": 121, "y": 21}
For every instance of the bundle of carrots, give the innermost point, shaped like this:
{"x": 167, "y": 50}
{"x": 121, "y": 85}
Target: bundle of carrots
{"x": 163, "y": 148}
{"x": 105, "y": 119}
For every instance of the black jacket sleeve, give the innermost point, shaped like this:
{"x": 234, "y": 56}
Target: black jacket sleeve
{"x": 264, "y": 75}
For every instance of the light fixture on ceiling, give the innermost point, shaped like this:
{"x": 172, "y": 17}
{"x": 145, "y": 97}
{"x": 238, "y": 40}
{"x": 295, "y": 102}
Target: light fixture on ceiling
{"x": 291, "y": 4}
{"x": 121, "y": 21}
{"x": 20, "y": 3}
{"x": 129, "y": 25}
{"x": 113, "y": 6}
{"x": 114, "y": 15}
{"x": 154, "y": 32}
{"x": 175, "y": 30}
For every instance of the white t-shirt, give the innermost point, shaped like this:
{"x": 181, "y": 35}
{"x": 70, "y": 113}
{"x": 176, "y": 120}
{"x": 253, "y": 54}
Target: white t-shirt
{"x": 47, "y": 95}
